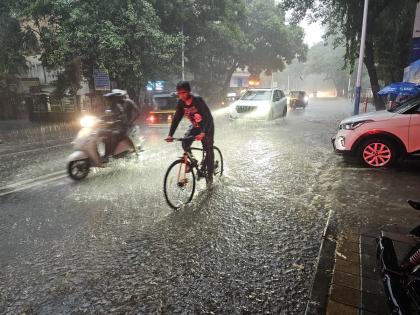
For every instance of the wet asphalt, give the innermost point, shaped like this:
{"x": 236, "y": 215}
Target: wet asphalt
{"x": 110, "y": 244}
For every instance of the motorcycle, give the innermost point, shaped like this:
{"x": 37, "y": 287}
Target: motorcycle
{"x": 401, "y": 276}
{"x": 89, "y": 146}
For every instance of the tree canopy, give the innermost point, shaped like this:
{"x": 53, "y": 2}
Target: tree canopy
{"x": 328, "y": 61}
{"x": 140, "y": 40}
{"x": 390, "y": 24}
{"x": 123, "y": 37}
{"x": 15, "y": 42}
{"x": 222, "y": 36}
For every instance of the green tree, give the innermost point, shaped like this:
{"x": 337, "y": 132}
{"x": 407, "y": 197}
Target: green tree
{"x": 15, "y": 42}
{"x": 328, "y": 61}
{"x": 122, "y": 36}
{"x": 224, "y": 35}
{"x": 389, "y": 24}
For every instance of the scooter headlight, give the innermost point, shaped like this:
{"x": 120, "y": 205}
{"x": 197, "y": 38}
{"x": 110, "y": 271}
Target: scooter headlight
{"x": 88, "y": 121}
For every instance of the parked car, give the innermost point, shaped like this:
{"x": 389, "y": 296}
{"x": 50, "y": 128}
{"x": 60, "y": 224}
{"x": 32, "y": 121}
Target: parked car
{"x": 259, "y": 104}
{"x": 379, "y": 138}
{"x": 163, "y": 109}
{"x": 298, "y": 99}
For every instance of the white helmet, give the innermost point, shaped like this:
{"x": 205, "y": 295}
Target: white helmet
{"x": 116, "y": 92}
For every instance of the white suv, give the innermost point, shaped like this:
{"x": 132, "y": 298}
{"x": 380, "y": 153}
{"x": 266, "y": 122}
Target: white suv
{"x": 259, "y": 104}
{"x": 379, "y": 138}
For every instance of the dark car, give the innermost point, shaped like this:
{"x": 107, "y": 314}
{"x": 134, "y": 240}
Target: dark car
{"x": 298, "y": 99}
{"x": 164, "y": 105}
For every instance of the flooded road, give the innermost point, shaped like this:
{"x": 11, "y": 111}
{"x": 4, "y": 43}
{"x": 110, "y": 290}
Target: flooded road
{"x": 110, "y": 244}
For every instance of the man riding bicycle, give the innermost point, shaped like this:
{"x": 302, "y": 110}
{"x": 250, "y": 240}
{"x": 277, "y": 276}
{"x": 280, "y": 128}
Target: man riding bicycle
{"x": 201, "y": 129}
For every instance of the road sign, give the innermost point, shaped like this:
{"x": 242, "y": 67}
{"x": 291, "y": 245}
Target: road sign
{"x": 101, "y": 79}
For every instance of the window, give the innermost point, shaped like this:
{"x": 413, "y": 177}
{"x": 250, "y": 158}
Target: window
{"x": 256, "y": 95}
{"x": 276, "y": 96}
{"x": 406, "y": 107}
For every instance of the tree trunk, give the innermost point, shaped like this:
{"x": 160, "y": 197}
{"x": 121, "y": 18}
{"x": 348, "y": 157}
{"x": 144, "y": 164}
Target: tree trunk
{"x": 373, "y": 75}
{"x": 229, "y": 74}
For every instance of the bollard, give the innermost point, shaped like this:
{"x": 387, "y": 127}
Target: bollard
{"x": 365, "y": 105}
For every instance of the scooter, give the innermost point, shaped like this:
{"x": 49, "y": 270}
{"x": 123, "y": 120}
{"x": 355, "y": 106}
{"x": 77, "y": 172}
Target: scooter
{"x": 89, "y": 146}
{"x": 398, "y": 257}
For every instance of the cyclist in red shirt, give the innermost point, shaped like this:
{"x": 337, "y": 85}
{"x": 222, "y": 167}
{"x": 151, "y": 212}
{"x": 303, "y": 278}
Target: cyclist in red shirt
{"x": 201, "y": 129}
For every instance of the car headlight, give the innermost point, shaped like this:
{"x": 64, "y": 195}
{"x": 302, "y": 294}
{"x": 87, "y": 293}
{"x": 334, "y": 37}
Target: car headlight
{"x": 88, "y": 121}
{"x": 354, "y": 125}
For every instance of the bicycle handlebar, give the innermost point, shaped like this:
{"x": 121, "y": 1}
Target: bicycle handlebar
{"x": 182, "y": 139}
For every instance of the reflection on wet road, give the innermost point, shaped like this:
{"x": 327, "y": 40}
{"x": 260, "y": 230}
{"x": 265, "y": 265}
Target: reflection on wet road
{"x": 110, "y": 244}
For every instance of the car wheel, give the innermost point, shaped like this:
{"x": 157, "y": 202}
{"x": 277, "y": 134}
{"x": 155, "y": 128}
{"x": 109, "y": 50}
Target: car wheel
{"x": 377, "y": 153}
{"x": 270, "y": 115}
{"x": 284, "y": 111}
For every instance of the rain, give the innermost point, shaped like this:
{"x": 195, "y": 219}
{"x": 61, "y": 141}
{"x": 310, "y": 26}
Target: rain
{"x": 88, "y": 231}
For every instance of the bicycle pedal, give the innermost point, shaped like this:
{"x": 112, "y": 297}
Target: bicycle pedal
{"x": 194, "y": 162}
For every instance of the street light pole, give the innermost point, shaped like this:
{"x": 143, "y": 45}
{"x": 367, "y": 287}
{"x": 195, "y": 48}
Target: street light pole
{"x": 361, "y": 55}
{"x": 183, "y": 59}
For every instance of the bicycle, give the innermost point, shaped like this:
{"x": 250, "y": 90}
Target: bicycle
{"x": 180, "y": 178}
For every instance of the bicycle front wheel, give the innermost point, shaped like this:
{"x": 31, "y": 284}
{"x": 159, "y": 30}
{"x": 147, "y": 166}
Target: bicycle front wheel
{"x": 179, "y": 184}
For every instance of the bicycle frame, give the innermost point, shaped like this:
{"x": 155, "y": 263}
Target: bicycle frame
{"x": 187, "y": 160}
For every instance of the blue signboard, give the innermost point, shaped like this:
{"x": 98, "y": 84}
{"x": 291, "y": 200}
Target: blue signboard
{"x": 101, "y": 79}
{"x": 415, "y": 49}
{"x": 155, "y": 85}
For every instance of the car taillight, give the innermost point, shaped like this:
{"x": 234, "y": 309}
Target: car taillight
{"x": 169, "y": 117}
{"x": 151, "y": 118}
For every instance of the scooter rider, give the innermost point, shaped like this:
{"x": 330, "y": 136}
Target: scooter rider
{"x": 124, "y": 113}
{"x": 202, "y": 127}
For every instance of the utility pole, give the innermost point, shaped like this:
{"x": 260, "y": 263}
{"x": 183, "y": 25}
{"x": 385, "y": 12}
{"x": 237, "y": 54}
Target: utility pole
{"x": 361, "y": 55}
{"x": 183, "y": 59}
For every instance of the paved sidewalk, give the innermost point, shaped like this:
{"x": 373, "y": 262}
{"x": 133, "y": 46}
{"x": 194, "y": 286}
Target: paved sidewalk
{"x": 356, "y": 286}
{"x": 21, "y": 133}
{"x": 347, "y": 281}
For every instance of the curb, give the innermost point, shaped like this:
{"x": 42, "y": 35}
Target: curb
{"x": 318, "y": 298}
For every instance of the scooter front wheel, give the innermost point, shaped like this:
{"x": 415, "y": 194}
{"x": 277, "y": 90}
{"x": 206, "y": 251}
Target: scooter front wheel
{"x": 79, "y": 169}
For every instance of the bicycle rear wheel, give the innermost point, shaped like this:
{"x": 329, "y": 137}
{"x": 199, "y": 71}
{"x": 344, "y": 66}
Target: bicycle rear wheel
{"x": 179, "y": 184}
{"x": 218, "y": 159}
{"x": 218, "y": 162}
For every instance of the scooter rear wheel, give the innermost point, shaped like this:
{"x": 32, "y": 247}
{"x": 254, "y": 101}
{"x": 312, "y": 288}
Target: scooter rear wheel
{"x": 79, "y": 169}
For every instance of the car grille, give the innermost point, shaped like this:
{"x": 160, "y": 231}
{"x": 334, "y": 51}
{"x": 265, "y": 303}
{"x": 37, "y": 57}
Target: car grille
{"x": 245, "y": 109}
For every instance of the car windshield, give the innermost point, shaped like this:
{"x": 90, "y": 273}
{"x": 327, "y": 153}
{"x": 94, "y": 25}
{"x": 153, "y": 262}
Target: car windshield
{"x": 256, "y": 95}
{"x": 165, "y": 103}
{"x": 405, "y": 105}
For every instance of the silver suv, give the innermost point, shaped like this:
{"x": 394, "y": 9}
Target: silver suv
{"x": 259, "y": 104}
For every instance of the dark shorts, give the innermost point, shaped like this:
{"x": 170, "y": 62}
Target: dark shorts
{"x": 207, "y": 144}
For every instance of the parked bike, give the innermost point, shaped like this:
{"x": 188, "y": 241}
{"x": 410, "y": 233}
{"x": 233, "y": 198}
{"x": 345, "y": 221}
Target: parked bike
{"x": 401, "y": 277}
{"x": 89, "y": 146}
{"x": 180, "y": 178}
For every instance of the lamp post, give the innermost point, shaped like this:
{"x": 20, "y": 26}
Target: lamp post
{"x": 361, "y": 55}
{"x": 182, "y": 54}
